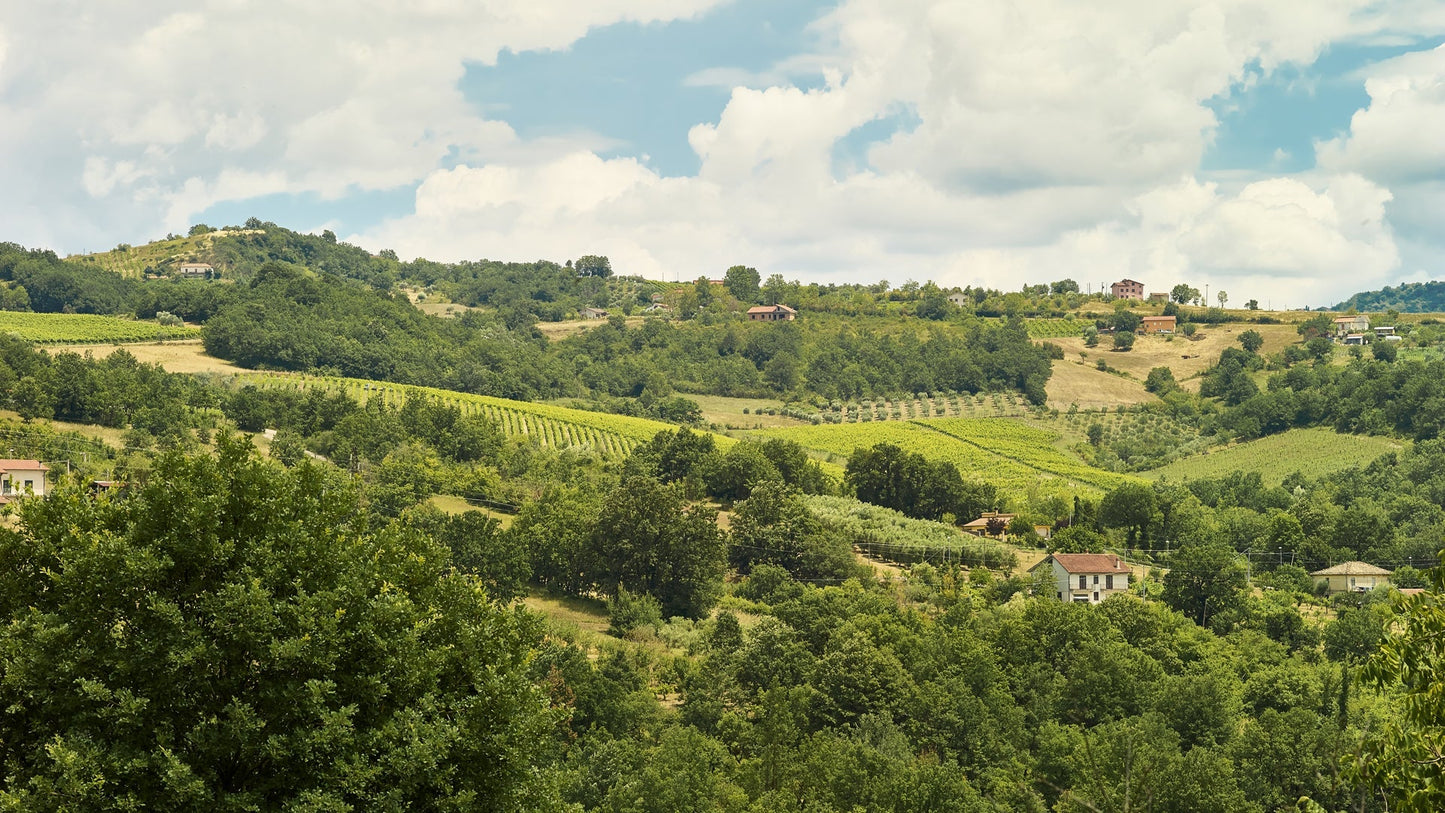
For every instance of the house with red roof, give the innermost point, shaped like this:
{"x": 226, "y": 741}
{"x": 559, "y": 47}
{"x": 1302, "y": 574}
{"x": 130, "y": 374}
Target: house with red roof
{"x": 1085, "y": 577}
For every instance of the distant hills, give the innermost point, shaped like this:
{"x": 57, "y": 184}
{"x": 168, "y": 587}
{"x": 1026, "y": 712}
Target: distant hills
{"x": 1410, "y": 297}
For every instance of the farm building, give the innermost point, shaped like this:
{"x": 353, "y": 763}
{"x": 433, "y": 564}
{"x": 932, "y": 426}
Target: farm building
{"x": 195, "y": 270}
{"x": 772, "y": 313}
{"x": 1159, "y": 296}
{"x": 1352, "y": 577}
{"x": 1354, "y": 338}
{"x": 592, "y": 313}
{"x": 959, "y": 299}
{"x": 1086, "y": 577}
{"x": 979, "y": 527}
{"x": 1127, "y": 289}
{"x": 19, "y": 478}
{"x": 1158, "y": 324}
{"x": 1345, "y": 325}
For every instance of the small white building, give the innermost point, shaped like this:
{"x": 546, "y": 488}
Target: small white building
{"x": 960, "y": 299}
{"x": 1354, "y": 323}
{"x": 1086, "y": 577}
{"x": 21, "y": 478}
{"x": 195, "y": 270}
{"x": 592, "y": 313}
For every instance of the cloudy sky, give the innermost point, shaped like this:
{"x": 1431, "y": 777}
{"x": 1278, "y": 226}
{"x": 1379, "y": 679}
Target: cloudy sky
{"x": 1291, "y": 151}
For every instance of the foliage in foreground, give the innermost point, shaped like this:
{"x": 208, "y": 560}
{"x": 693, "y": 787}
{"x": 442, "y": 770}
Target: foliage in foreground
{"x": 236, "y": 636}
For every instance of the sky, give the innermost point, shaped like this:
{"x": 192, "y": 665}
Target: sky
{"x": 1288, "y": 151}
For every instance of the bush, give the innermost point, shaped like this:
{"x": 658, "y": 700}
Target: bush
{"x": 629, "y": 611}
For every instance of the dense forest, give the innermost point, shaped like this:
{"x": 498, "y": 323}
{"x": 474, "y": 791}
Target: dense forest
{"x": 1409, "y": 297}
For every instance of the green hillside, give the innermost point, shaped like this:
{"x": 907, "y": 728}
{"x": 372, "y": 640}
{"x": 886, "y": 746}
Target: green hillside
{"x": 1311, "y": 452}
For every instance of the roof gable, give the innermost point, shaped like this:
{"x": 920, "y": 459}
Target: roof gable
{"x": 1091, "y": 563}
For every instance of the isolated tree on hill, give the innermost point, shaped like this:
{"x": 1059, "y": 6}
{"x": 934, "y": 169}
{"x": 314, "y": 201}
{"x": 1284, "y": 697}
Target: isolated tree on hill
{"x": 234, "y": 635}
{"x": 593, "y": 265}
{"x": 1064, "y": 286}
{"x": 1183, "y": 294}
{"x": 1222, "y": 297}
{"x": 743, "y": 283}
{"x": 1123, "y": 340}
{"x": 1251, "y": 341}
{"x": 1252, "y": 304}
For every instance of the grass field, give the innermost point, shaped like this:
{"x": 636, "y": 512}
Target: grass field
{"x": 1311, "y": 452}
{"x": 1187, "y": 358}
{"x": 1020, "y": 459}
{"x": 1075, "y": 381}
{"x": 177, "y": 357}
{"x": 84, "y": 328}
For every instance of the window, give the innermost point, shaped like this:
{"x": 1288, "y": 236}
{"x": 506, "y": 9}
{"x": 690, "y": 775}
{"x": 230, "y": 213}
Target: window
{"x": 1083, "y": 582}
{"x": 1096, "y": 595}
{"x": 1109, "y": 582}
{"x": 1096, "y": 579}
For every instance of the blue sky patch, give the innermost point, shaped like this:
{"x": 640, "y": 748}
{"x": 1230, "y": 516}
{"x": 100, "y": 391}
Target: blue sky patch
{"x": 628, "y": 83}
{"x": 1273, "y": 125}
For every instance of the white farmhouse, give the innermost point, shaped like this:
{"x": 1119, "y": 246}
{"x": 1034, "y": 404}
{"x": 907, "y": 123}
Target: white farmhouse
{"x": 1087, "y": 577}
{"x": 21, "y": 478}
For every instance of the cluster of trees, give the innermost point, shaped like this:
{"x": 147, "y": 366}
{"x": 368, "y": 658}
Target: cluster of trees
{"x": 911, "y": 484}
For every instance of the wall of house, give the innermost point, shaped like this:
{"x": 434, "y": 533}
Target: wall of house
{"x": 1066, "y": 583}
{"x": 1350, "y": 584}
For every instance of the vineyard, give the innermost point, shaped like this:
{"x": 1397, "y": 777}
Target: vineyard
{"x": 1056, "y": 328}
{"x": 550, "y": 426}
{"x": 1025, "y": 466}
{"x": 889, "y": 535}
{"x": 1136, "y": 440}
{"x": 914, "y": 406}
{"x": 1312, "y": 452}
{"x": 1022, "y": 443}
{"x": 80, "y": 328}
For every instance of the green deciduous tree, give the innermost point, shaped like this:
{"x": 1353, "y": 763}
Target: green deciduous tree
{"x": 743, "y": 283}
{"x": 233, "y": 636}
{"x": 1204, "y": 580}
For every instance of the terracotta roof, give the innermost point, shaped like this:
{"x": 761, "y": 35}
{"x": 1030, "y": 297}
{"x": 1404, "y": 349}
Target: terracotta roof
{"x": 982, "y": 521}
{"x": 1352, "y": 569}
{"x": 770, "y": 309}
{"x": 1159, "y": 319}
{"x": 1128, "y": 282}
{"x": 1091, "y": 563}
{"x": 11, "y": 463}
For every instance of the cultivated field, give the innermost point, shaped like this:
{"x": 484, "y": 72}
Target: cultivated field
{"x": 84, "y": 328}
{"x": 549, "y": 425}
{"x": 1312, "y": 452}
{"x": 1020, "y": 459}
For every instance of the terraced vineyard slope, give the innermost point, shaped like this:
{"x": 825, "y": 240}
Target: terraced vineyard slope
{"x": 81, "y": 328}
{"x": 551, "y": 426}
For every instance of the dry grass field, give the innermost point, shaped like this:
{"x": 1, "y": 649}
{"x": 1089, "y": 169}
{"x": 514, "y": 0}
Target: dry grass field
{"x": 1075, "y": 381}
{"x": 1186, "y": 357}
{"x": 176, "y": 357}
{"x": 561, "y": 330}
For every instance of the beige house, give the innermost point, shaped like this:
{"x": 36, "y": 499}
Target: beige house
{"x": 1085, "y": 577}
{"x": 1352, "y": 577}
{"x": 772, "y": 313}
{"x": 979, "y": 527}
{"x": 1158, "y": 324}
{"x": 1345, "y": 325}
{"x": 194, "y": 270}
{"x": 592, "y": 313}
{"x": 20, "y": 478}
